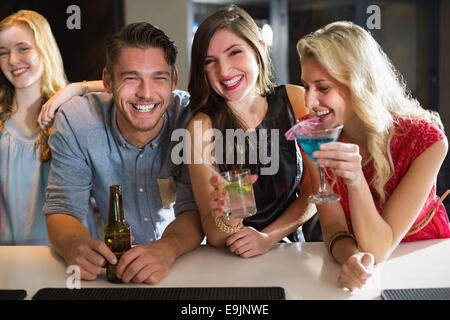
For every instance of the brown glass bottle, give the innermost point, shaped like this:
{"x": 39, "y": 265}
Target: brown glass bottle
{"x": 117, "y": 231}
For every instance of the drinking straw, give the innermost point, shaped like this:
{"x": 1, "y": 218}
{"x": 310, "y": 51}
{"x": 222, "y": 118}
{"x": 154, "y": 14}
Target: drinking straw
{"x": 214, "y": 171}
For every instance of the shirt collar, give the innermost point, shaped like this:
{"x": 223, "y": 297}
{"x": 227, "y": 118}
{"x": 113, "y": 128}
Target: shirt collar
{"x": 124, "y": 143}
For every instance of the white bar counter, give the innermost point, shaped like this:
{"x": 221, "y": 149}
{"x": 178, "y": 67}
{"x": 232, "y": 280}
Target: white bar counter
{"x": 304, "y": 270}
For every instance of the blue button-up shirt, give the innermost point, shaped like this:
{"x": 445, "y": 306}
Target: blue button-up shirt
{"x": 89, "y": 154}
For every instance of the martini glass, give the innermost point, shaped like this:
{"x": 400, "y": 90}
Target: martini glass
{"x": 311, "y": 133}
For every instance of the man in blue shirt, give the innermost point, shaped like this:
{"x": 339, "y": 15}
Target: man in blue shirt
{"x": 124, "y": 139}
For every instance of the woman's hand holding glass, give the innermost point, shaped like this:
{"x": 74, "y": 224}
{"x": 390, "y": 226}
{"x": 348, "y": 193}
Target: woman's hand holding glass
{"x": 247, "y": 242}
{"x": 217, "y": 197}
{"x": 343, "y": 158}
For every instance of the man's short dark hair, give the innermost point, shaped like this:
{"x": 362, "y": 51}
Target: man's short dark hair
{"x": 139, "y": 35}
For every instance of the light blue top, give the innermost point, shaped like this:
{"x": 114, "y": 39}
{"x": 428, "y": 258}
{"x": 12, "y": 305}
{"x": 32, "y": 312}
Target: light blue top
{"x": 89, "y": 154}
{"x": 23, "y": 178}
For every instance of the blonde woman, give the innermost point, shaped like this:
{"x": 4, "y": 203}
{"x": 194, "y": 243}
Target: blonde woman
{"x": 32, "y": 72}
{"x": 387, "y": 159}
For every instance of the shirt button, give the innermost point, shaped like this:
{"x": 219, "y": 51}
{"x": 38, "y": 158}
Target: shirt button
{"x": 141, "y": 190}
{"x": 141, "y": 155}
{"x": 150, "y": 240}
{"x": 145, "y": 219}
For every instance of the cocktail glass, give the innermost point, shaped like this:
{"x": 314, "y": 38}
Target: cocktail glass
{"x": 311, "y": 133}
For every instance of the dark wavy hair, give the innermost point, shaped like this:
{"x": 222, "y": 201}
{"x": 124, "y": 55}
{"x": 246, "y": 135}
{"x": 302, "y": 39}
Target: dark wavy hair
{"x": 203, "y": 97}
{"x": 139, "y": 35}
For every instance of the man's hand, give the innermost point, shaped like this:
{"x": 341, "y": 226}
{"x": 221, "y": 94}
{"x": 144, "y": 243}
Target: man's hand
{"x": 91, "y": 256}
{"x": 146, "y": 263}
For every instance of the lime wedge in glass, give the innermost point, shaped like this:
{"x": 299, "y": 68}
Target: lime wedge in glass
{"x": 234, "y": 188}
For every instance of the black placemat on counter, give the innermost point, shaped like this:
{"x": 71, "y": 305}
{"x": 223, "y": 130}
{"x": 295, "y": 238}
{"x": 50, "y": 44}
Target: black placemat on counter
{"x": 208, "y": 293}
{"x": 14, "y": 294}
{"x": 416, "y": 294}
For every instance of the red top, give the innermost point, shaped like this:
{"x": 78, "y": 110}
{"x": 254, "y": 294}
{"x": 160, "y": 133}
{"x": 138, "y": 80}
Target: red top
{"x": 411, "y": 138}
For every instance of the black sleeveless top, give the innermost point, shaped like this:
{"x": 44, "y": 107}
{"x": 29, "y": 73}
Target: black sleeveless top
{"x": 276, "y": 191}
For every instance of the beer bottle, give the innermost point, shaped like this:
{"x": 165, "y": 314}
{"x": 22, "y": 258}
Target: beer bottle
{"x": 117, "y": 231}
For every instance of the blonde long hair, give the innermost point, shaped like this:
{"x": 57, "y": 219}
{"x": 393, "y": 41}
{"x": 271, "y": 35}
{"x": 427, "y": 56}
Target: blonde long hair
{"x": 378, "y": 92}
{"x": 53, "y": 76}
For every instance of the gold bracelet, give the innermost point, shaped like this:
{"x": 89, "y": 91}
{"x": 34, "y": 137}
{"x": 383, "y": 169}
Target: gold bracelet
{"x": 337, "y": 236}
{"x": 86, "y": 87}
{"x": 222, "y": 226}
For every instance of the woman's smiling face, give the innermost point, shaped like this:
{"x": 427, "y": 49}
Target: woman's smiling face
{"x": 231, "y": 66}
{"x": 20, "y": 60}
{"x": 327, "y": 97}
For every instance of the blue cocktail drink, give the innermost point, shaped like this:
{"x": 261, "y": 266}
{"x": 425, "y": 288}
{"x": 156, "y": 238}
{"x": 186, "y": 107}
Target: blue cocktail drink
{"x": 310, "y": 145}
{"x": 311, "y": 133}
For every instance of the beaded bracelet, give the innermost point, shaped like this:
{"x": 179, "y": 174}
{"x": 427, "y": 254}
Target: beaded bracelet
{"x": 337, "y": 236}
{"x": 222, "y": 226}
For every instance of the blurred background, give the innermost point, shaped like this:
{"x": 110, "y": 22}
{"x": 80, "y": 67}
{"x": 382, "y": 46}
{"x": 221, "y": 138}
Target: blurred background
{"x": 414, "y": 34}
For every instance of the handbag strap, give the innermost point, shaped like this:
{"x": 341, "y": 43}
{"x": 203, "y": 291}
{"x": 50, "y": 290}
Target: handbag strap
{"x": 426, "y": 220}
